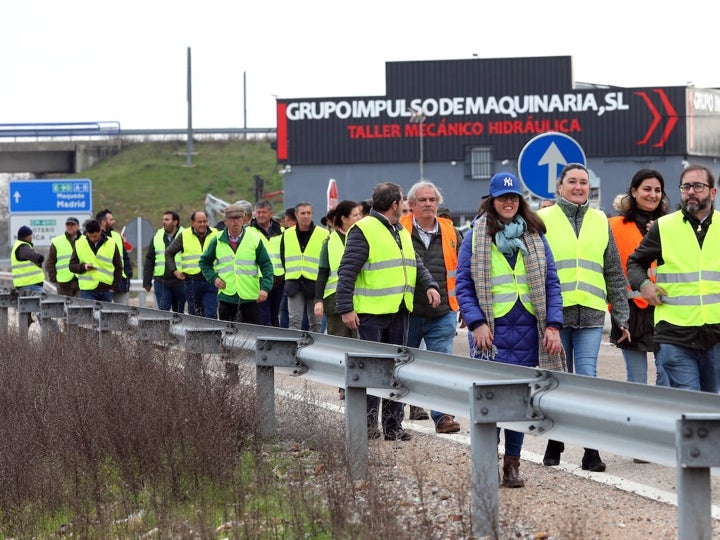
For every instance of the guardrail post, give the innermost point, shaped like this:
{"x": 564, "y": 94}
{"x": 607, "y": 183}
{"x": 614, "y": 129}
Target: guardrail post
{"x": 363, "y": 371}
{"x": 271, "y": 353}
{"x": 199, "y": 341}
{"x": 5, "y": 301}
{"x": 27, "y": 305}
{"x": 698, "y": 449}
{"x": 499, "y": 401}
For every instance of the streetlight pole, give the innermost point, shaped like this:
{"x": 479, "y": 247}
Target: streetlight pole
{"x": 418, "y": 117}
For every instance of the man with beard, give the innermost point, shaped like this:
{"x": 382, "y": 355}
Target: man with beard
{"x": 107, "y": 224}
{"x": 169, "y": 290}
{"x": 686, "y": 245}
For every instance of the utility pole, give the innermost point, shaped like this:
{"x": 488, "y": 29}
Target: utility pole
{"x": 418, "y": 117}
{"x": 189, "y": 151}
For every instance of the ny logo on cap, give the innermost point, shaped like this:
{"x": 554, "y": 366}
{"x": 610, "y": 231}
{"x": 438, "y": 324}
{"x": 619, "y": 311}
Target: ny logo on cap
{"x": 508, "y": 181}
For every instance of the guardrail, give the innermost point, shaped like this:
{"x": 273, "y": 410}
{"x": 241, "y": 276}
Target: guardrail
{"x": 668, "y": 426}
{"x": 62, "y": 129}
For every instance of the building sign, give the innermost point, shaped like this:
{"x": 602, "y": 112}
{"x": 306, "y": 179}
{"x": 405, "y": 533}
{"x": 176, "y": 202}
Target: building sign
{"x": 480, "y": 103}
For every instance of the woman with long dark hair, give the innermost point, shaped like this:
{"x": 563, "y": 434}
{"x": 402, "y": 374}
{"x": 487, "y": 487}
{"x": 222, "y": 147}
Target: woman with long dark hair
{"x": 341, "y": 218}
{"x": 644, "y": 201}
{"x": 509, "y": 294}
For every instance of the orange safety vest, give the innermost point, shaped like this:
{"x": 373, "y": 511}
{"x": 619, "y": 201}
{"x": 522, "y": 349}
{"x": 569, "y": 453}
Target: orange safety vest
{"x": 449, "y": 249}
{"x": 627, "y": 238}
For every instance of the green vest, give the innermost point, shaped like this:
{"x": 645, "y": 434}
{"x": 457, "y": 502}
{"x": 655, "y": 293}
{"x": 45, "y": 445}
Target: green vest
{"x": 104, "y": 269}
{"x": 508, "y": 284}
{"x": 579, "y": 259}
{"x": 689, "y": 274}
{"x": 159, "y": 247}
{"x": 63, "y": 250}
{"x": 239, "y": 269}
{"x": 335, "y": 248}
{"x": 388, "y": 276}
{"x": 303, "y": 263}
{"x": 25, "y": 273}
{"x": 190, "y": 255}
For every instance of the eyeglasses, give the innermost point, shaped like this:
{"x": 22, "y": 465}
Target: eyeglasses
{"x": 512, "y": 197}
{"x": 697, "y": 187}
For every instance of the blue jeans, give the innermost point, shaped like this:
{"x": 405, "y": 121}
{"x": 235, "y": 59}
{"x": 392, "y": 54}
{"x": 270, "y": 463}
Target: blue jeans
{"x": 691, "y": 369}
{"x": 100, "y": 296}
{"x": 513, "y": 441}
{"x": 201, "y": 298}
{"x": 30, "y": 290}
{"x": 636, "y": 365}
{"x": 582, "y": 346}
{"x": 169, "y": 297}
{"x": 438, "y": 334}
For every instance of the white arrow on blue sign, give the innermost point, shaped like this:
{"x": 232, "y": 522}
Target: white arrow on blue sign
{"x": 50, "y": 196}
{"x": 542, "y": 159}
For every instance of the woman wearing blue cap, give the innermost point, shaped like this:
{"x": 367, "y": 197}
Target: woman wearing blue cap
{"x": 509, "y": 293}
{"x": 591, "y": 276}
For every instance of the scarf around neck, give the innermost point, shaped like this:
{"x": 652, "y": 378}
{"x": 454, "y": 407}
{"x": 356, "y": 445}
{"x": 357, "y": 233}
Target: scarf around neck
{"x": 536, "y": 270}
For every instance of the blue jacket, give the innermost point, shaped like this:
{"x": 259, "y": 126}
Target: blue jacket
{"x": 515, "y": 336}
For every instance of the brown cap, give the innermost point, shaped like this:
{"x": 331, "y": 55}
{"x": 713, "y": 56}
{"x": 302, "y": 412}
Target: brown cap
{"x": 234, "y": 211}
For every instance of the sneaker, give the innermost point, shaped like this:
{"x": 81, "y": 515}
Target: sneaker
{"x": 418, "y": 413}
{"x": 399, "y": 435}
{"x": 374, "y": 433}
{"x": 447, "y": 425}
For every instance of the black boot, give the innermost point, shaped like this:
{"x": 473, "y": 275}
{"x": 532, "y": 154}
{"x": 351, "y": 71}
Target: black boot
{"x": 591, "y": 461}
{"x": 552, "y": 453}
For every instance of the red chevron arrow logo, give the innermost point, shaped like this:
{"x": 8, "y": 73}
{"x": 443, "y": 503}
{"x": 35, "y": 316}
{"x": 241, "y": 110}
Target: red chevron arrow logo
{"x": 672, "y": 118}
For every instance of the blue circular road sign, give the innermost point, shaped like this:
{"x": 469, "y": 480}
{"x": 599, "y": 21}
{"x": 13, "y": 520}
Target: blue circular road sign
{"x": 542, "y": 159}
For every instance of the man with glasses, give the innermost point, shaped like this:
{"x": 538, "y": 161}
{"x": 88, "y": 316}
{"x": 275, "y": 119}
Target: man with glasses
{"x": 686, "y": 246}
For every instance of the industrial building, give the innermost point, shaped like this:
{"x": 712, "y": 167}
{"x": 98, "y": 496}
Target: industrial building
{"x": 458, "y": 122}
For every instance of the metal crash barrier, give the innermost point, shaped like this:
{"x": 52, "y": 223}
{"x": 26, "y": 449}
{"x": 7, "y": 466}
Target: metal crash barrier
{"x": 673, "y": 427}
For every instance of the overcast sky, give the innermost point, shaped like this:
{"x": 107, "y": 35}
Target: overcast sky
{"x": 125, "y": 61}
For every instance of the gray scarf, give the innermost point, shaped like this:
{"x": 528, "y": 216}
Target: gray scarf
{"x": 536, "y": 270}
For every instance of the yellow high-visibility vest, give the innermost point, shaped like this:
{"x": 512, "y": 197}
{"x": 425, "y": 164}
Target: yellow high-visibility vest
{"x": 689, "y": 274}
{"x": 190, "y": 255}
{"x": 102, "y": 261}
{"x": 579, "y": 259}
{"x": 388, "y": 276}
{"x": 24, "y": 273}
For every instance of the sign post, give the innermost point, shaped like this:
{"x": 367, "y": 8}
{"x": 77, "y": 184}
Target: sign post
{"x": 542, "y": 159}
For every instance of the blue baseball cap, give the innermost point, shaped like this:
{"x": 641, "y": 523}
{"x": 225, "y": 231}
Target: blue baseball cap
{"x": 503, "y": 183}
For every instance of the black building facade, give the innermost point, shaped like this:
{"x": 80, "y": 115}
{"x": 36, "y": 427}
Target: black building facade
{"x": 461, "y": 121}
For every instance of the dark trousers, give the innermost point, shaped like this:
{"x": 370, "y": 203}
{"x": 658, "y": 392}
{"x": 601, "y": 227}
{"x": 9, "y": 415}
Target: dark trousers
{"x": 245, "y": 312}
{"x": 270, "y": 308}
{"x": 393, "y": 329}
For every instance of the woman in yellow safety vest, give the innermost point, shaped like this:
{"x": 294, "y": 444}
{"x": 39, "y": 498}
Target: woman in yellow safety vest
{"x": 340, "y": 219}
{"x": 591, "y": 276}
{"x": 509, "y": 293}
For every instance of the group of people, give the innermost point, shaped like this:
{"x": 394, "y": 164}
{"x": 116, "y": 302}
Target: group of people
{"x": 532, "y": 287}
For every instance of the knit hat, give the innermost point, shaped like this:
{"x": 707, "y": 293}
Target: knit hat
{"x": 24, "y": 232}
